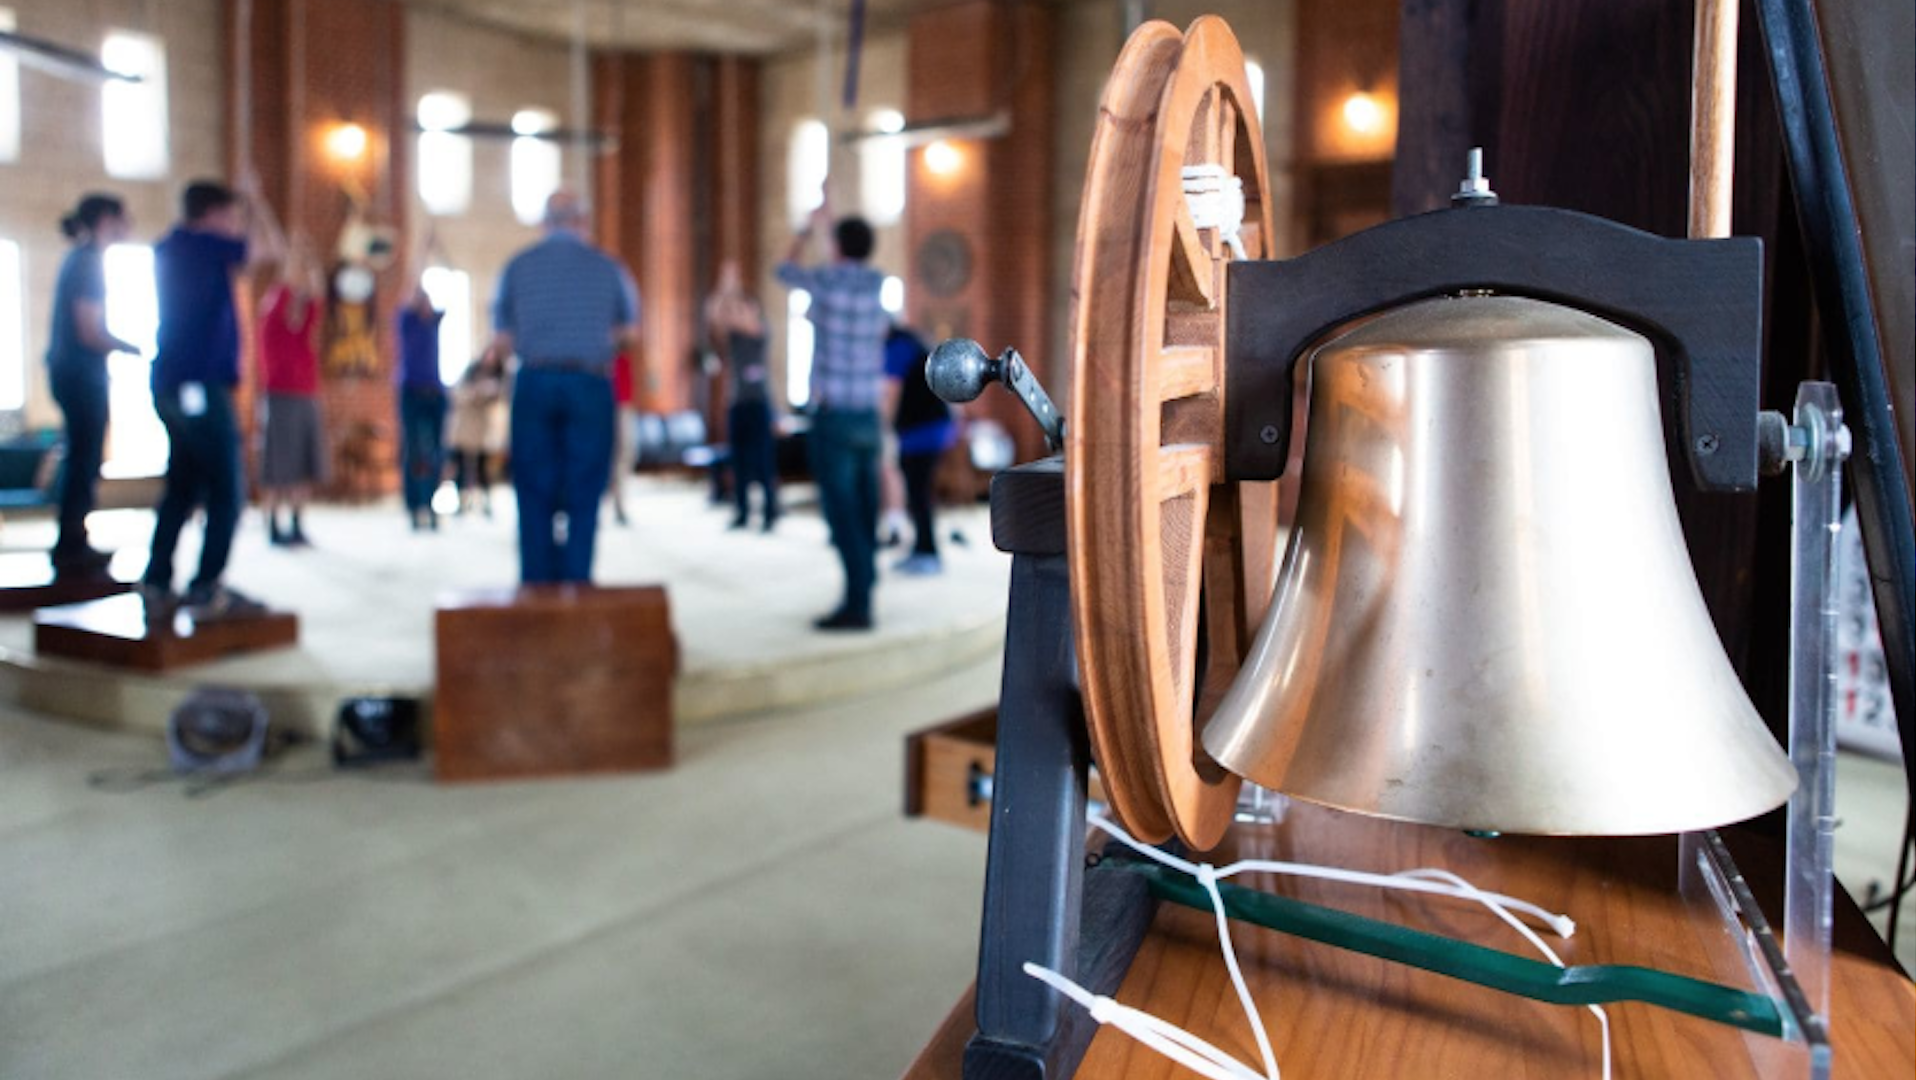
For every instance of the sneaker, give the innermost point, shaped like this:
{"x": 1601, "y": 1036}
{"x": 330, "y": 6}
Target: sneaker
{"x": 219, "y": 602}
{"x": 84, "y": 563}
{"x": 843, "y": 620}
{"x": 157, "y": 600}
{"x": 919, "y": 566}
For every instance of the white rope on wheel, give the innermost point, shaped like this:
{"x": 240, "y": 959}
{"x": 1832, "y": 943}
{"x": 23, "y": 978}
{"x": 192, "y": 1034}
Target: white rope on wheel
{"x": 1216, "y": 200}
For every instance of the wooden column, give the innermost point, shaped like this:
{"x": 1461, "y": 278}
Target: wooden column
{"x": 665, "y": 263}
{"x": 731, "y": 164}
{"x": 677, "y": 187}
{"x": 978, "y": 232}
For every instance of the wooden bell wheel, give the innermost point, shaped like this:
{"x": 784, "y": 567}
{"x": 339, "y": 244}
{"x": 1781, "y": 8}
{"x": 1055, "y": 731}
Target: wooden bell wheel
{"x": 1170, "y": 567}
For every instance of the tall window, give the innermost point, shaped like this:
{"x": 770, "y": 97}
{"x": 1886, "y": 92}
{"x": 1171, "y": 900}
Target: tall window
{"x": 451, "y": 292}
{"x": 137, "y": 442}
{"x": 9, "y": 96}
{"x": 806, "y": 163}
{"x": 1254, "y": 74}
{"x": 13, "y": 328}
{"x": 535, "y": 163}
{"x": 133, "y": 114}
{"x": 798, "y": 348}
{"x": 445, "y": 159}
{"x": 881, "y": 169}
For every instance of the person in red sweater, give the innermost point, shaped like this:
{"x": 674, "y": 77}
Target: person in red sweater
{"x": 293, "y": 454}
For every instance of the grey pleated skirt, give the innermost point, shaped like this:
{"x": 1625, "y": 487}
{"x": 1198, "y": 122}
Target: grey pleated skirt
{"x": 294, "y": 442}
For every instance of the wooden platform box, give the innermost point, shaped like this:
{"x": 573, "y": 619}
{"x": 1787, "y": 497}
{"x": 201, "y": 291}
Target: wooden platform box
{"x": 117, "y": 631}
{"x": 553, "y": 681}
{"x": 27, "y": 583}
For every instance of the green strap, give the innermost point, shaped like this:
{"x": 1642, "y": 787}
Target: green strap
{"x": 1585, "y": 984}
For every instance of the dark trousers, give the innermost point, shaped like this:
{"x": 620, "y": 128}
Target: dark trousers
{"x": 561, "y": 460}
{"x": 202, "y": 470}
{"x": 844, "y": 451}
{"x": 82, "y": 396}
{"x": 472, "y": 472}
{"x": 920, "y": 496}
{"x": 422, "y": 459}
{"x": 754, "y": 457}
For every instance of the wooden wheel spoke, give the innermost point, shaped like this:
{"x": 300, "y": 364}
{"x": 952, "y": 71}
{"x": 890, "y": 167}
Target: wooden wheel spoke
{"x": 1226, "y": 132}
{"x": 1182, "y": 469}
{"x": 1191, "y": 263}
{"x": 1184, "y": 473}
{"x": 1186, "y": 371}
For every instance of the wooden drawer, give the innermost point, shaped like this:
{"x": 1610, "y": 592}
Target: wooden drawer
{"x": 948, "y": 770}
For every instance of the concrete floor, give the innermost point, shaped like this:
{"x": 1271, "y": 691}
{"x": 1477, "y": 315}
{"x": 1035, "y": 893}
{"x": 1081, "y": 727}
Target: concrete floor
{"x": 763, "y": 910}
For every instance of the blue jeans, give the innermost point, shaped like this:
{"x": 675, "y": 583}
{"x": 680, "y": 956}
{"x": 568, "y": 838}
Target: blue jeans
{"x": 202, "y": 469}
{"x": 844, "y": 447}
{"x": 561, "y": 460}
{"x": 82, "y": 396}
{"x": 422, "y": 460}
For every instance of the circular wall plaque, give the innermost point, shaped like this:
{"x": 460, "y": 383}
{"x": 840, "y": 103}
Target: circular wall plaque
{"x": 944, "y": 263}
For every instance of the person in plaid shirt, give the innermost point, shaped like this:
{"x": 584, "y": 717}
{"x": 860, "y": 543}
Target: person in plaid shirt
{"x": 848, "y": 371}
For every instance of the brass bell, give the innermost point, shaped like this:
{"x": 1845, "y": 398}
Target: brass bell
{"x": 1487, "y": 618}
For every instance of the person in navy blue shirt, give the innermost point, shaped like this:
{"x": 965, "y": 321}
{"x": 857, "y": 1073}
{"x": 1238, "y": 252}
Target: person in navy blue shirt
{"x": 77, "y": 349}
{"x": 565, "y": 308}
{"x": 925, "y": 431}
{"x": 422, "y": 407}
{"x": 194, "y": 374}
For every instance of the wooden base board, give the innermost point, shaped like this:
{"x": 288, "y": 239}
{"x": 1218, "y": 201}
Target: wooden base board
{"x": 1332, "y": 1013}
{"x": 553, "y": 681}
{"x": 115, "y": 631}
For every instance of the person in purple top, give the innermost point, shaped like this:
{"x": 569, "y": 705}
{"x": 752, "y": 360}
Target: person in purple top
{"x": 194, "y": 373}
{"x": 422, "y": 407}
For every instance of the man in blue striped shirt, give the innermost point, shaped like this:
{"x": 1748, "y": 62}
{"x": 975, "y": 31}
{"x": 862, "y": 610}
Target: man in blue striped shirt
{"x": 564, "y": 307}
{"x": 848, "y": 372}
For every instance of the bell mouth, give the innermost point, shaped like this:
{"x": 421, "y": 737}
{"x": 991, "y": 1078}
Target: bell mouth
{"x": 1486, "y": 618}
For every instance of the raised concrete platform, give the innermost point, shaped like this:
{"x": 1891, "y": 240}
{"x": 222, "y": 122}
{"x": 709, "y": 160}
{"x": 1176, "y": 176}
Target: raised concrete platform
{"x": 742, "y": 605}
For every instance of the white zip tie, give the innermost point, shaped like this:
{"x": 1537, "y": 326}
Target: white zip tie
{"x": 1216, "y": 201}
{"x": 1207, "y": 877}
{"x": 1207, "y": 1060}
{"x": 1168, "y": 1039}
{"x": 1603, "y": 1018}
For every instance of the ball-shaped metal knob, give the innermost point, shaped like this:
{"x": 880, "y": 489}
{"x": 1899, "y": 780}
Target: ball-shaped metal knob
{"x": 960, "y": 369}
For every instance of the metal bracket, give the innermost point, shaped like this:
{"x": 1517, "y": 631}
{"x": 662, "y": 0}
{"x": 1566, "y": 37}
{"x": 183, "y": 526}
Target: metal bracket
{"x": 1699, "y": 301}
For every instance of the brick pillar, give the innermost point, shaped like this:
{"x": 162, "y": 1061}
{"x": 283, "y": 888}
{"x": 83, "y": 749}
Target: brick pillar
{"x": 731, "y": 157}
{"x": 676, "y": 196}
{"x": 312, "y": 66}
{"x": 979, "y": 232}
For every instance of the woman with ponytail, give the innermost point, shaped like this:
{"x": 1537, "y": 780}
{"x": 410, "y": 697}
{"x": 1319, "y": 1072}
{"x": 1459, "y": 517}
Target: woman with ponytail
{"x": 76, "y": 368}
